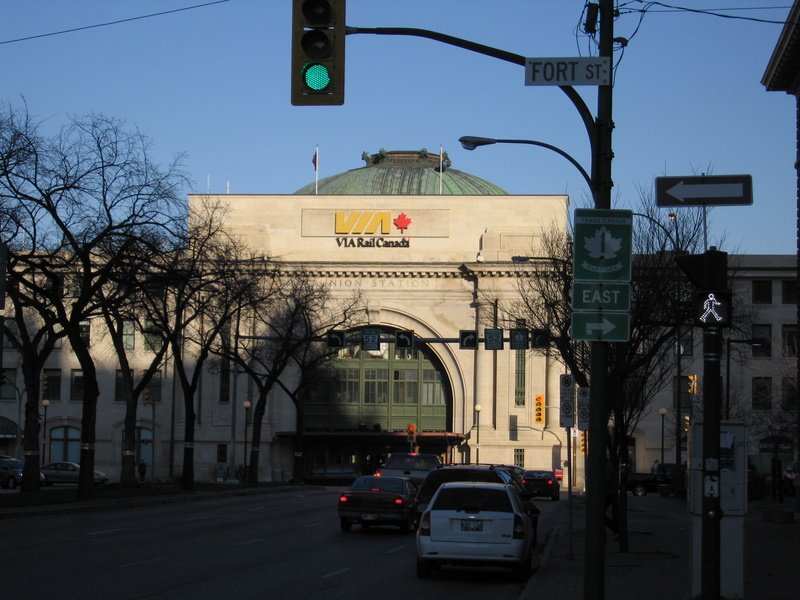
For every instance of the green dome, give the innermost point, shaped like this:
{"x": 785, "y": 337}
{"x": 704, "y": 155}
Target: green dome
{"x": 404, "y": 173}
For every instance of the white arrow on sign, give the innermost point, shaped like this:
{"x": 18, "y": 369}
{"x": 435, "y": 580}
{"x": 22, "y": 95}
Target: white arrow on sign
{"x": 682, "y": 191}
{"x": 606, "y": 326}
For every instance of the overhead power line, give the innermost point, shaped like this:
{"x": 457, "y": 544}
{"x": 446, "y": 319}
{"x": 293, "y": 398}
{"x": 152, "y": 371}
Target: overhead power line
{"x": 107, "y": 24}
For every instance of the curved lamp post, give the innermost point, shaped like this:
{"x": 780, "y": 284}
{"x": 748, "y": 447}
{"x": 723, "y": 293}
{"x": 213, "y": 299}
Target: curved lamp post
{"x": 470, "y": 142}
{"x": 478, "y": 430}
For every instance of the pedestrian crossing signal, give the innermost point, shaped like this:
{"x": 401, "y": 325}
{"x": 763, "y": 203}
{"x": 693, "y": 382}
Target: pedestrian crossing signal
{"x": 692, "y": 385}
{"x": 712, "y": 308}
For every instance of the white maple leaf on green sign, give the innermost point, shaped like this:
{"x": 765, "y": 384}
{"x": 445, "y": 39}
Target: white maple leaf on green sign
{"x": 602, "y": 244}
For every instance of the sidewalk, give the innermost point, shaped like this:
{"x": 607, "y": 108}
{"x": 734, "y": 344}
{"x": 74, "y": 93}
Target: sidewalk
{"x": 658, "y": 564}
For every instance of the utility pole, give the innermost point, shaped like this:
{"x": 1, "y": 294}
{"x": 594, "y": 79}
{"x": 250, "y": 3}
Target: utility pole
{"x": 594, "y": 583}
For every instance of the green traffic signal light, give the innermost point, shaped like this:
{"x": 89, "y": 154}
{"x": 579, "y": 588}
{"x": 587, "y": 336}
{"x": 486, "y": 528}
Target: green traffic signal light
{"x": 316, "y": 76}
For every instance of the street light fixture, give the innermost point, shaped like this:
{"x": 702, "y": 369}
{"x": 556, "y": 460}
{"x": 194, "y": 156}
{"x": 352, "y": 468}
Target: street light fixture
{"x": 478, "y": 430}
{"x": 753, "y": 343}
{"x": 45, "y": 404}
{"x": 246, "y": 404}
{"x": 663, "y": 412}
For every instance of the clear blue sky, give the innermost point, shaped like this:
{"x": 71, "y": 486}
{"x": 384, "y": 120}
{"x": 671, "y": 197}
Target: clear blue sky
{"x": 213, "y": 82}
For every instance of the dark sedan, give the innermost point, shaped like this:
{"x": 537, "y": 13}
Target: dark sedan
{"x": 372, "y": 500}
{"x": 541, "y": 483}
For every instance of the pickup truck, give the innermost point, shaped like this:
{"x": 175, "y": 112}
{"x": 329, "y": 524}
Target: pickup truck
{"x": 413, "y": 465}
{"x": 639, "y": 484}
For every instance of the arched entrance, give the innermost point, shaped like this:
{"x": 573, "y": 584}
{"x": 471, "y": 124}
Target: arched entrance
{"x": 360, "y": 408}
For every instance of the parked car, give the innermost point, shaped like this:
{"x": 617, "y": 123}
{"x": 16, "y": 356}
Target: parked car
{"x": 413, "y": 465}
{"x": 68, "y": 472}
{"x": 11, "y": 472}
{"x": 639, "y": 484}
{"x": 373, "y": 500}
{"x": 541, "y": 483}
{"x": 789, "y": 476}
{"x": 486, "y": 473}
{"x": 332, "y": 474}
{"x": 475, "y": 523}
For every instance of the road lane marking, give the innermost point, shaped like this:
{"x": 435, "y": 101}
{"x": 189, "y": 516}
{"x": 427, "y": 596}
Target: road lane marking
{"x": 393, "y": 550}
{"x": 245, "y": 542}
{"x": 104, "y": 531}
{"x": 317, "y": 524}
{"x": 143, "y": 562}
{"x": 334, "y": 573}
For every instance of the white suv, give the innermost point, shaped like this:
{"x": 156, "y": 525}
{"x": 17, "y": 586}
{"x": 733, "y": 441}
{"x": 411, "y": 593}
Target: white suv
{"x": 475, "y": 523}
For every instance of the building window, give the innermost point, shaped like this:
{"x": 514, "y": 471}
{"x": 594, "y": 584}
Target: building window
{"x": 12, "y": 331}
{"x": 347, "y": 382}
{"x": 154, "y": 387}
{"x": 120, "y": 393}
{"x": 762, "y": 393}
{"x": 762, "y": 291}
{"x": 789, "y": 291}
{"x": 152, "y": 337}
{"x": 789, "y": 393}
{"x": 432, "y": 388}
{"x": 687, "y": 340}
{"x": 406, "y": 386}
{"x": 51, "y": 385}
{"x": 763, "y": 335}
{"x": 225, "y": 380}
{"x": 76, "y": 386}
{"x": 222, "y": 453}
{"x": 519, "y": 457}
{"x": 376, "y": 386}
{"x": 789, "y": 340}
{"x": 65, "y": 445}
{"x": 8, "y": 389}
{"x": 128, "y": 335}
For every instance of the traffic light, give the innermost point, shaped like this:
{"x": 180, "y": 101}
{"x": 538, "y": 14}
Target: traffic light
{"x": 538, "y": 409}
{"x": 692, "y": 386}
{"x": 404, "y": 339}
{"x": 318, "y": 32}
{"x": 146, "y": 396}
{"x": 411, "y": 432}
{"x": 583, "y": 442}
{"x": 686, "y": 422}
{"x": 44, "y": 386}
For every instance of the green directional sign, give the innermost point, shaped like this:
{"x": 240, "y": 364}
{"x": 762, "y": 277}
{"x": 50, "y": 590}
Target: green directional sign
{"x": 599, "y": 295}
{"x": 601, "y": 326}
{"x": 603, "y": 245}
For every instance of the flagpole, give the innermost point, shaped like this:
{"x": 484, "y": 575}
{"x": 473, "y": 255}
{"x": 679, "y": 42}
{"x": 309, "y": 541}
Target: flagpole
{"x": 441, "y": 167}
{"x": 316, "y": 169}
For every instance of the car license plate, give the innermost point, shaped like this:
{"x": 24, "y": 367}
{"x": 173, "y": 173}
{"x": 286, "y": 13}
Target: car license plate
{"x": 471, "y": 525}
{"x": 369, "y": 517}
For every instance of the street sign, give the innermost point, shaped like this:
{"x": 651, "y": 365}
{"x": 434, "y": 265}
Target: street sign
{"x": 583, "y": 408}
{"x": 467, "y": 339}
{"x": 404, "y": 339}
{"x": 600, "y": 295}
{"x": 603, "y": 245}
{"x": 567, "y": 401}
{"x": 601, "y": 326}
{"x": 704, "y": 190}
{"x": 568, "y": 71}
{"x": 493, "y": 339}
{"x": 371, "y": 339}
{"x": 518, "y": 339}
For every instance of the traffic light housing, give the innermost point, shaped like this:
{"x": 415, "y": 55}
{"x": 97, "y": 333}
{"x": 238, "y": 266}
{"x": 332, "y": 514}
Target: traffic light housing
{"x": 411, "y": 432}
{"x": 686, "y": 422}
{"x": 583, "y": 442}
{"x": 539, "y": 410}
{"x": 692, "y": 384}
{"x": 318, "y": 37}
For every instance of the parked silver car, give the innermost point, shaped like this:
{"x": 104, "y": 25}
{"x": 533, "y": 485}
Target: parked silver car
{"x": 475, "y": 524}
{"x": 68, "y": 472}
{"x": 11, "y": 472}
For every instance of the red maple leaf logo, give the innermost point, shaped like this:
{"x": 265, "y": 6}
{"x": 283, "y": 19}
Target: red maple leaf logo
{"x": 402, "y": 222}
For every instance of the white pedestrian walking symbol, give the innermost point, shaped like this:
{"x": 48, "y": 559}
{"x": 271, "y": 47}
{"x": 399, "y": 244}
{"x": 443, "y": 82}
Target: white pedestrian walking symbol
{"x": 709, "y": 306}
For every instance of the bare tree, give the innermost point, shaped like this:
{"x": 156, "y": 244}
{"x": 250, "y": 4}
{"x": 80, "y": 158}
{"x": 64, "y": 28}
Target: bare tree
{"x": 79, "y": 202}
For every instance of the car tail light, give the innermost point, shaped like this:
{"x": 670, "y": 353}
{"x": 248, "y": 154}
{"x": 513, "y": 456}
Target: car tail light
{"x": 343, "y": 499}
{"x": 377, "y": 473}
{"x": 524, "y": 481}
{"x": 425, "y": 524}
{"x": 398, "y": 501}
{"x": 549, "y": 482}
{"x": 519, "y": 528}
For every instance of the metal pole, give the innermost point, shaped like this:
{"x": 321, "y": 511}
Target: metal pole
{"x": 728, "y": 379}
{"x": 594, "y": 558}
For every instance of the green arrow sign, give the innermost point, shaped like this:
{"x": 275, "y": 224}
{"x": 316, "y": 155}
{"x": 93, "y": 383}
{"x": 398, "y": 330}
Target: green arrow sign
{"x": 603, "y": 245}
{"x": 601, "y": 326}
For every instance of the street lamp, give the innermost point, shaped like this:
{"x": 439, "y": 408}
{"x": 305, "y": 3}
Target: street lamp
{"x": 478, "y": 430}
{"x": 663, "y": 412}
{"x": 246, "y": 404}
{"x": 45, "y": 404}
{"x": 753, "y": 343}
